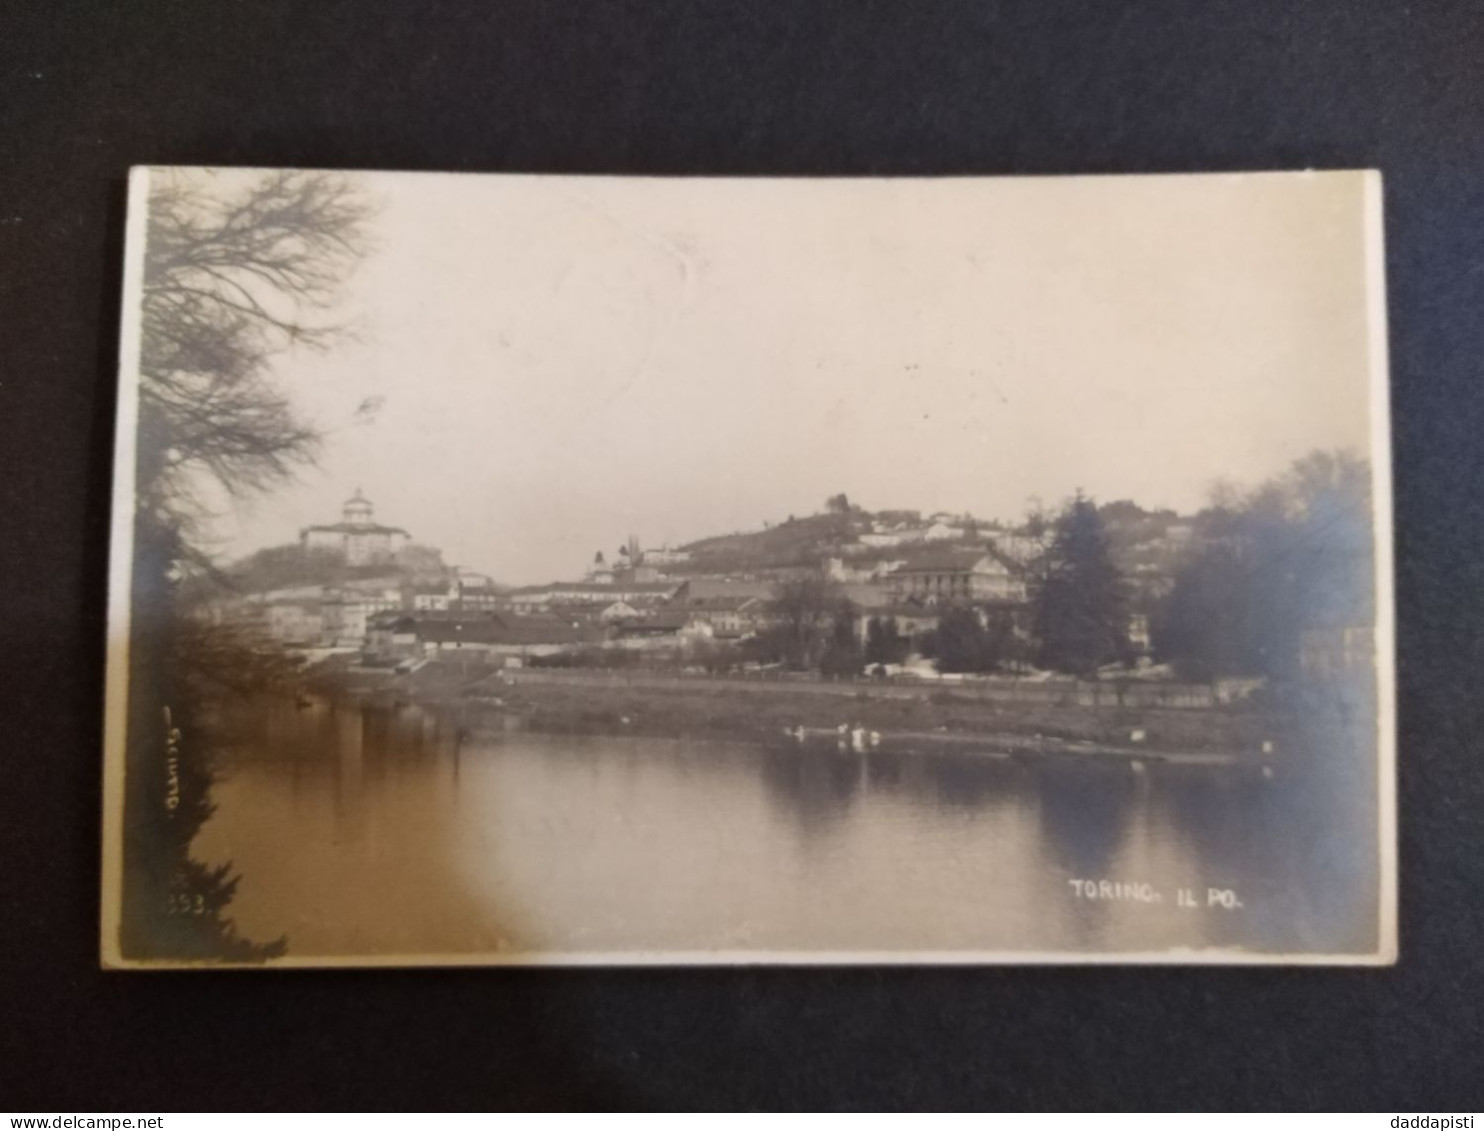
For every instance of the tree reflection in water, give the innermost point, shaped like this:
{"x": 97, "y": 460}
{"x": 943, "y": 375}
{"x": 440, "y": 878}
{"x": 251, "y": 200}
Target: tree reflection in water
{"x": 378, "y": 830}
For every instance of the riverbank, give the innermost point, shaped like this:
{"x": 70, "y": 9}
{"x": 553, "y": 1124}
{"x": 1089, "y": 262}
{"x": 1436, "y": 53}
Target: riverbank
{"x": 938, "y": 717}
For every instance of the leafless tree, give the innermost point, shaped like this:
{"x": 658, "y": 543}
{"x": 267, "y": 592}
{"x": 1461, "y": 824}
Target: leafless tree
{"x": 802, "y": 606}
{"x": 237, "y": 270}
{"x": 231, "y": 280}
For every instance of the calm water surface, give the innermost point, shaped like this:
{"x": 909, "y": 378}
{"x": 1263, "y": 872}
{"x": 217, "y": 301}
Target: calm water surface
{"x": 385, "y": 832}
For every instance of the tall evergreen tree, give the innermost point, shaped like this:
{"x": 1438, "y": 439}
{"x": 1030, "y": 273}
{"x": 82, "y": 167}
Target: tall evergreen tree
{"x": 885, "y": 643}
{"x": 1081, "y": 607}
{"x": 960, "y": 641}
{"x": 842, "y": 654}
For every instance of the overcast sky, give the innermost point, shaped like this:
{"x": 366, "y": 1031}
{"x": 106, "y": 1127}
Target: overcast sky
{"x": 564, "y": 361}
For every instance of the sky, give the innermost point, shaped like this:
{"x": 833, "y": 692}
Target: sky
{"x": 544, "y": 365}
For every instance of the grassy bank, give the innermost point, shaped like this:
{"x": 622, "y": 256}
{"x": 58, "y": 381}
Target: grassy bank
{"x": 667, "y": 706}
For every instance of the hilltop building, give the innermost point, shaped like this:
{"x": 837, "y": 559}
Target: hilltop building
{"x": 357, "y": 537}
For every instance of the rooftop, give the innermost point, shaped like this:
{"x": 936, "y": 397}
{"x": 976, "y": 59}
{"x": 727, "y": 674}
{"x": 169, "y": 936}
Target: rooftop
{"x": 731, "y": 603}
{"x": 702, "y": 588}
{"x": 599, "y": 591}
{"x": 353, "y": 528}
{"x": 865, "y": 594}
{"x": 667, "y": 620}
{"x": 949, "y": 560}
{"x": 903, "y": 611}
{"x": 495, "y": 630}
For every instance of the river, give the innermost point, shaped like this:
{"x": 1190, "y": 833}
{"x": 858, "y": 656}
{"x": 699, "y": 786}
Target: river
{"x": 397, "y": 832}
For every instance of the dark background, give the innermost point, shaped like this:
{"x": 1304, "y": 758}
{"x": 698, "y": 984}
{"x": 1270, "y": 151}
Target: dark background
{"x": 788, "y": 88}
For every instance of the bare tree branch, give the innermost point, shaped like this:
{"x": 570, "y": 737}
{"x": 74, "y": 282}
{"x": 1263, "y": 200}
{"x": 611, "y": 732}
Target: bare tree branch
{"x": 230, "y": 282}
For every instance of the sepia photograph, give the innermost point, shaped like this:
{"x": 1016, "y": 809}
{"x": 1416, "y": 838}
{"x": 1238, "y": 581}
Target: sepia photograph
{"x": 541, "y": 570}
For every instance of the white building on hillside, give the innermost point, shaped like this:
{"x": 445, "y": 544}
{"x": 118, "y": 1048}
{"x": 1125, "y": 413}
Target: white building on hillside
{"x": 944, "y": 576}
{"x": 664, "y": 556}
{"x": 357, "y": 537}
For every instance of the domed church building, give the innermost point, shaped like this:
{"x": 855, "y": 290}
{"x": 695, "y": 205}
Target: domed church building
{"x": 357, "y": 537}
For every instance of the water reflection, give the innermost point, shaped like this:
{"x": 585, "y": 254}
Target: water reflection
{"x": 399, "y": 831}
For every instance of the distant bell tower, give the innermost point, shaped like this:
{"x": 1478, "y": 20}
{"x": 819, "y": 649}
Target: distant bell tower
{"x": 357, "y": 510}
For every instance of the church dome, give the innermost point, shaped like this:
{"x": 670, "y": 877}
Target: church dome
{"x": 357, "y": 508}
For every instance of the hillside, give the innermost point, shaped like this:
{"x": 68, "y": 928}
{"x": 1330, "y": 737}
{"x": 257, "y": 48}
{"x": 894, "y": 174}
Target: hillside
{"x": 276, "y": 567}
{"x": 796, "y": 543}
{"x": 1142, "y": 541}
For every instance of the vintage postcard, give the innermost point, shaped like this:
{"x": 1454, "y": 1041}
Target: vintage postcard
{"x": 545, "y": 569}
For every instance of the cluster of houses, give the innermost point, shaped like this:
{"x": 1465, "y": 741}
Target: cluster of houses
{"x": 633, "y": 603}
{"x": 680, "y": 614}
